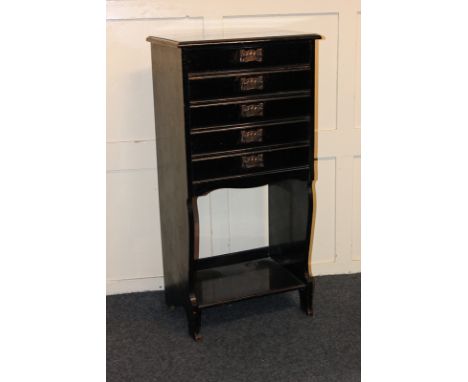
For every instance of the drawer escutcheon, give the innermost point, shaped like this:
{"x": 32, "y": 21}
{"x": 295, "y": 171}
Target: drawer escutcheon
{"x": 252, "y": 161}
{"x": 251, "y": 83}
{"x": 252, "y": 110}
{"x": 251, "y": 55}
{"x": 251, "y": 136}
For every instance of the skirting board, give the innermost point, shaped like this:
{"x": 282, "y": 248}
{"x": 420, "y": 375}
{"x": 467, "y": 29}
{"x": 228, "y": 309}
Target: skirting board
{"x": 134, "y": 285}
{"x": 157, "y": 283}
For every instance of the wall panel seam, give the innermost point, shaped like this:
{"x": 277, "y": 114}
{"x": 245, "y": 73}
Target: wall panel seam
{"x": 124, "y": 170}
{"x": 282, "y": 14}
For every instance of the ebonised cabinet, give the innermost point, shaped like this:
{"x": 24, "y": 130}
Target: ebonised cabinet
{"x": 234, "y": 113}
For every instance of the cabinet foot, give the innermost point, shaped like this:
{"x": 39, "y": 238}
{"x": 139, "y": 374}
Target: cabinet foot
{"x": 306, "y": 296}
{"x": 194, "y": 322}
{"x": 194, "y": 319}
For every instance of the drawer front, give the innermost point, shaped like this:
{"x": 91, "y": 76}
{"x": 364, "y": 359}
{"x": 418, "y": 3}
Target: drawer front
{"x": 251, "y": 83}
{"x": 249, "y": 163}
{"x": 202, "y": 187}
{"x": 248, "y": 56}
{"x": 249, "y": 111}
{"x": 247, "y": 137}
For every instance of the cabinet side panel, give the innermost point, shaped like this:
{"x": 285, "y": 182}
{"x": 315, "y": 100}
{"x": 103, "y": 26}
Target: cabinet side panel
{"x": 289, "y": 224}
{"x": 172, "y": 174}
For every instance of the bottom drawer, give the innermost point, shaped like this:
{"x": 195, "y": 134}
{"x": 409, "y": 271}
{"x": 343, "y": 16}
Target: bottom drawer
{"x": 249, "y": 162}
{"x": 304, "y": 173}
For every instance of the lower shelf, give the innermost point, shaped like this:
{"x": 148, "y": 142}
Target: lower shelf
{"x": 227, "y": 283}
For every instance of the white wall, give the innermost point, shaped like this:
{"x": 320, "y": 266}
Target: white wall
{"x": 230, "y": 220}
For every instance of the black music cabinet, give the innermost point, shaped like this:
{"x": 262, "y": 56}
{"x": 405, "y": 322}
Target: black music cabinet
{"x": 235, "y": 113}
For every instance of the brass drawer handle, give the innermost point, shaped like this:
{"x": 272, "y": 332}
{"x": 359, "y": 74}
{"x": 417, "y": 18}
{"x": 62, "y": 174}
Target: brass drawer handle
{"x": 252, "y": 161}
{"x": 252, "y": 110}
{"x": 251, "y": 55}
{"x": 251, "y": 83}
{"x": 251, "y": 136}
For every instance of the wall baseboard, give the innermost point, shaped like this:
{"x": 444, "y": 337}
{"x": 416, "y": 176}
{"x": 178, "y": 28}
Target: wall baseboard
{"x": 134, "y": 285}
{"x": 147, "y": 284}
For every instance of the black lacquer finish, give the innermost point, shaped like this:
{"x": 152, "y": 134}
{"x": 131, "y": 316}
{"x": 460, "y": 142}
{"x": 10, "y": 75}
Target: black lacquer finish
{"x": 249, "y": 55}
{"x": 252, "y": 278}
{"x": 233, "y": 114}
{"x": 274, "y": 132}
{"x": 249, "y": 161}
{"x": 243, "y": 109}
{"x": 223, "y": 84}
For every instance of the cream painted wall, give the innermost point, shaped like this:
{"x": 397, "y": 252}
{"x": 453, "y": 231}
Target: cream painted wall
{"x": 230, "y": 220}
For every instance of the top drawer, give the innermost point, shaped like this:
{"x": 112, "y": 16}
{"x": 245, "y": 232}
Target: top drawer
{"x": 248, "y": 56}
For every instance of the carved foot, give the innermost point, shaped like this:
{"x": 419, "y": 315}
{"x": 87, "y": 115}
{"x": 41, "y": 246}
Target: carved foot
{"x": 194, "y": 319}
{"x": 306, "y": 296}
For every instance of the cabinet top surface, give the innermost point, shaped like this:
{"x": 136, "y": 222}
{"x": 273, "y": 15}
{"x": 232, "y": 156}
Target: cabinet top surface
{"x": 186, "y": 39}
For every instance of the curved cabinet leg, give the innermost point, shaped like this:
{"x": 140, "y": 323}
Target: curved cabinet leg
{"x": 194, "y": 319}
{"x": 194, "y": 322}
{"x": 306, "y": 296}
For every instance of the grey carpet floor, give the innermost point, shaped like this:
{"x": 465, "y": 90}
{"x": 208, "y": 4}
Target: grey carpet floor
{"x": 264, "y": 339}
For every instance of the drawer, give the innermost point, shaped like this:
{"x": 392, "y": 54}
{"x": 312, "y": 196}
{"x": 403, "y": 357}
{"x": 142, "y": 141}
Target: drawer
{"x": 242, "y": 111}
{"x": 249, "y": 162}
{"x": 238, "y": 137}
{"x": 202, "y": 187}
{"x": 247, "y": 56}
{"x": 244, "y": 83}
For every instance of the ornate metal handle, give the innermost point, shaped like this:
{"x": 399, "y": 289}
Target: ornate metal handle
{"x": 252, "y": 110}
{"x": 251, "y": 83}
{"x": 251, "y": 136}
{"x": 251, "y": 55}
{"x": 252, "y": 161}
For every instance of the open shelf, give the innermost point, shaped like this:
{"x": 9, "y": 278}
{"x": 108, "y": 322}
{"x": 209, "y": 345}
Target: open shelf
{"x": 233, "y": 282}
